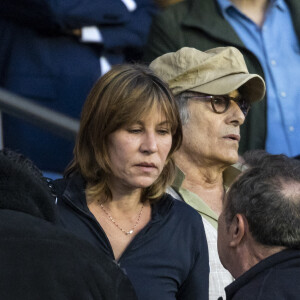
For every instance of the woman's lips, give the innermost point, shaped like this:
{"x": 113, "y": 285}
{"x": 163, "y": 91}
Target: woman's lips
{"x": 146, "y": 166}
{"x": 150, "y": 165}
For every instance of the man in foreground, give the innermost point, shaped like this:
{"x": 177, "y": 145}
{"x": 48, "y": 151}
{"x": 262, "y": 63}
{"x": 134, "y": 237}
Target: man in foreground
{"x": 259, "y": 230}
{"x": 40, "y": 260}
{"x": 214, "y": 92}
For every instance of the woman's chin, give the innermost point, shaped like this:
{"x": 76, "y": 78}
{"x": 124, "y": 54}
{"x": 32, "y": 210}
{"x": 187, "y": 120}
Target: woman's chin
{"x": 143, "y": 183}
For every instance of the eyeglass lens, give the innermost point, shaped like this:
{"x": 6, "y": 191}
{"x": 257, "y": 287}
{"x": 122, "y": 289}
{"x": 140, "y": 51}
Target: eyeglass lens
{"x": 221, "y": 103}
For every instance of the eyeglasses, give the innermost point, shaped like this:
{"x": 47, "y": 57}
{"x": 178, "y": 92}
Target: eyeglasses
{"x": 221, "y": 103}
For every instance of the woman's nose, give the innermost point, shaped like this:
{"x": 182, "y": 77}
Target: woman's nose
{"x": 149, "y": 143}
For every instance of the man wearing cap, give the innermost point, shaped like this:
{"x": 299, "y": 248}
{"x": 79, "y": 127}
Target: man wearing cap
{"x": 214, "y": 92}
{"x": 267, "y": 32}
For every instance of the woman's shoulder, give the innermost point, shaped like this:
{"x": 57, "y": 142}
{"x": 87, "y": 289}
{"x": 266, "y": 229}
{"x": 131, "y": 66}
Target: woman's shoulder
{"x": 183, "y": 208}
{"x": 72, "y": 184}
{"x": 184, "y": 222}
{"x": 180, "y": 210}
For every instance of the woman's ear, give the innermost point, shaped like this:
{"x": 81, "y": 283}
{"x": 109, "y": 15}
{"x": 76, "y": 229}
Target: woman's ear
{"x": 237, "y": 229}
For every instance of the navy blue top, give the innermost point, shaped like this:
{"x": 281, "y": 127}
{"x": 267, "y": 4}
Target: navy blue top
{"x": 275, "y": 278}
{"x": 167, "y": 259}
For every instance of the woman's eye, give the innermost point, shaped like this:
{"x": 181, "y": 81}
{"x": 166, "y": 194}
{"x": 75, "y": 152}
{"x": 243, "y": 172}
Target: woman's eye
{"x": 163, "y": 131}
{"x": 134, "y": 130}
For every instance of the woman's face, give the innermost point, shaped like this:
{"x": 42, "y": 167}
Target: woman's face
{"x": 138, "y": 151}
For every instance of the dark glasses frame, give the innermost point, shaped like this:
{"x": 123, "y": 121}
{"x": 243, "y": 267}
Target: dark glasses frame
{"x": 243, "y": 104}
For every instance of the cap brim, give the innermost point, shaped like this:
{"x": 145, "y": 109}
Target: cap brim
{"x": 251, "y": 85}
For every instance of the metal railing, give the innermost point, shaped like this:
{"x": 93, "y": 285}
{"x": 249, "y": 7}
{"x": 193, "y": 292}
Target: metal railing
{"x": 38, "y": 115}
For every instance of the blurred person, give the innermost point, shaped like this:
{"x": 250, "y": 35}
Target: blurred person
{"x": 165, "y": 3}
{"x": 214, "y": 92}
{"x": 267, "y": 34}
{"x": 113, "y": 194}
{"x": 38, "y": 259}
{"x": 53, "y": 52}
{"x": 259, "y": 229}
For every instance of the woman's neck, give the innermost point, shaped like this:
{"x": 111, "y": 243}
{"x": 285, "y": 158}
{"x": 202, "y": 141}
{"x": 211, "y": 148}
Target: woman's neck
{"x": 123, "y": 199}
{"x": 121, "y": 218}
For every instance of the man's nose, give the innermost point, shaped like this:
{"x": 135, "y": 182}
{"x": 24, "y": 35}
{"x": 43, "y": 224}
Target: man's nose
{"x": 236, "y": 115}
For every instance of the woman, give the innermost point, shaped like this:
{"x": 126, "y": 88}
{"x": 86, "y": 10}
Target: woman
{"x": 113, "y": 193}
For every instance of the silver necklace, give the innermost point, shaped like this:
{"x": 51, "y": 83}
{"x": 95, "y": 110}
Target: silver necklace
{"x": 118, "y": 226}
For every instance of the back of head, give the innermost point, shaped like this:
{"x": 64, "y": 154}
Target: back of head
{"x": 268, "y": 195}
{"x": 23, "y": 188}
{"x": 38, "y": 259}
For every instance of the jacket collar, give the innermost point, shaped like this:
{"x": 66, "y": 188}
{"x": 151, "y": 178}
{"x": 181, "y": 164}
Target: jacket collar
{"x": 229, "y": 175}
{"x": 75, "y": 193}
{"x": 294, "y": 6}
{"x": 286, "y": 257}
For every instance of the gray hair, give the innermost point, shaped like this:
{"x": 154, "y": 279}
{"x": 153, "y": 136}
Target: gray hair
{"x": 182, "y": 101}
{"x": 268, "y": 195}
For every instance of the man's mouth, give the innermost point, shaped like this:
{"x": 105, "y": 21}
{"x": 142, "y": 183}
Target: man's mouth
{"x": 234, "y": 137}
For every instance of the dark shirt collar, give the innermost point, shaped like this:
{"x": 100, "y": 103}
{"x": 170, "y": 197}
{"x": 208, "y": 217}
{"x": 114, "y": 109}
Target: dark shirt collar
{"x": 75, "y": 193}
{"x": 285, "y": 257}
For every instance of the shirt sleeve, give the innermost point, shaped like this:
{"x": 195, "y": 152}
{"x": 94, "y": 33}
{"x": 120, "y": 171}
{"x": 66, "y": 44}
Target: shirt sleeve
{"x": 134, "y": 32}
{"x": 120, "y": 23}
{"x": 91, "y": 34}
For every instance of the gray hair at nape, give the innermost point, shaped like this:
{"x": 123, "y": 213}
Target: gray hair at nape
{"x": 268, "y": 195}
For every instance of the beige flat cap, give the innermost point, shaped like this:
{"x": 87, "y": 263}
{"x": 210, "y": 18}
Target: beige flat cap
{"x": 217, "y": 71}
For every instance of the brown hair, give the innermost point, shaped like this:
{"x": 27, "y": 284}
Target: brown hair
{"x": 122, "y": 96}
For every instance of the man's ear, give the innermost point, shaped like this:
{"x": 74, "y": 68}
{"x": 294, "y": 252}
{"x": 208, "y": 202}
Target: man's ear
{"x": 237, "y": 229}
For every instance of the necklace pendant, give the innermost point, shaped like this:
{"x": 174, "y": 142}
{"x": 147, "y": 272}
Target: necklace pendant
{"x": 117, "y": 225}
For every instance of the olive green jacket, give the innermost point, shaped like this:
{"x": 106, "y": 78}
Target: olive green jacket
{"x": 200, "y": 24}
